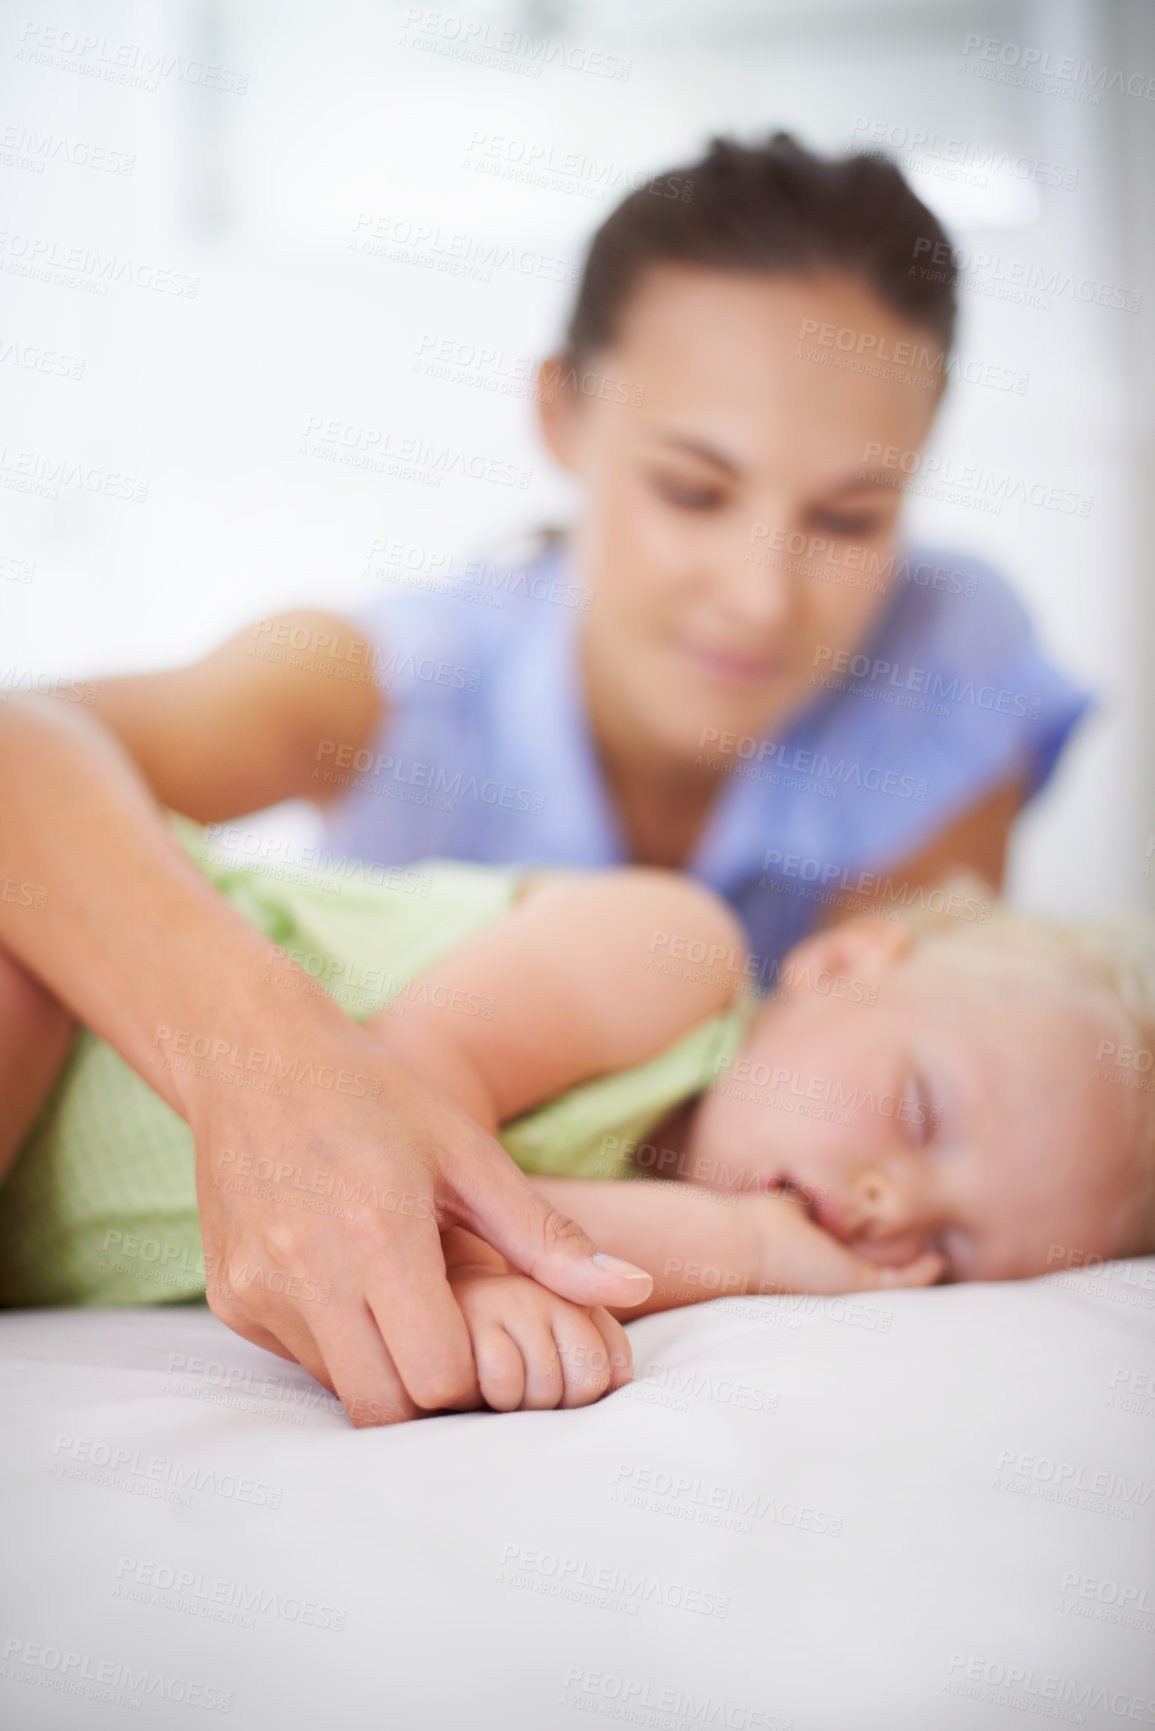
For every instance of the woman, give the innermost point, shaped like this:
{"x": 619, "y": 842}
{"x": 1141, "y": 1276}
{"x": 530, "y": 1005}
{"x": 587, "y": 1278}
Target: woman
{"x": 732, "y": 664}
{"x": 102, "y": 914}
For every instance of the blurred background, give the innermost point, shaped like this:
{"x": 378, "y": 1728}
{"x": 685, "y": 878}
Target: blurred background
{"x": 226, "y": 224}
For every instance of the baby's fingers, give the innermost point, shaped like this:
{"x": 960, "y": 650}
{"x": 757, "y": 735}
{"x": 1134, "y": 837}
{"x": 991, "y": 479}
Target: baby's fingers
{"x": 586, "y": 1356}
{"x": 617, "y": 1345}
{"x": 821, "y": 1263}
{"x": 500, "y": 1368}
{"x": 923, "y": 1271}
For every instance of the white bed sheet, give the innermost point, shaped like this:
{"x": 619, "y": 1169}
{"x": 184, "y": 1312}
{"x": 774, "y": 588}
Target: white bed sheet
{"x": 837, "y": 1515}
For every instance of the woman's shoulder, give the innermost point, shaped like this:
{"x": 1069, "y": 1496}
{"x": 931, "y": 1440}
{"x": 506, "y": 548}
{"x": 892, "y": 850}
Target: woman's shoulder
{"x": 954, "y": 608}
{"x": 955, "y": 680}
{"x": 459, "y": 613}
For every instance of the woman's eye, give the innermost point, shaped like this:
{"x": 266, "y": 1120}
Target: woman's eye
{"x": 688, "y": 497}
{"x": 847, "y": 526}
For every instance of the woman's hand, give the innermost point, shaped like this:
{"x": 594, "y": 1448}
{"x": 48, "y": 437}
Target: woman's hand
{"x": 114, "y": 919}
{"x": 322, "y": 1214}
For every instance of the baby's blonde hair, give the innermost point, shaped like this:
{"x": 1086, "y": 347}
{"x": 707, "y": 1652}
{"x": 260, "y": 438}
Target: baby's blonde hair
{"x": 1115, "y": 953}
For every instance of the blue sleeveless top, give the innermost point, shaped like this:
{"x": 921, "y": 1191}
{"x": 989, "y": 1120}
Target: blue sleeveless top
{"x": 486, "y": 754}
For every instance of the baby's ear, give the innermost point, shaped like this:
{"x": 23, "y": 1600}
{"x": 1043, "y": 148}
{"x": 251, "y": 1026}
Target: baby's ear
{"x": 859, "y": 949}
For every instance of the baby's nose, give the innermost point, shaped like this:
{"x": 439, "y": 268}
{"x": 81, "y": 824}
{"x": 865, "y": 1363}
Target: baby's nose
{"x": 884, "y": 1203}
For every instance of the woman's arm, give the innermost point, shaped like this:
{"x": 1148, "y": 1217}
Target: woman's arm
{"x": 976, "y": 841}
{"x": 36, "y": 1032}
{"x": 120, "y": 926}
{"x": 244, "y": 727}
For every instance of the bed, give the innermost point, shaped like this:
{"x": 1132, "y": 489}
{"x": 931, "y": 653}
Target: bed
{"x": 903, "y": 1511}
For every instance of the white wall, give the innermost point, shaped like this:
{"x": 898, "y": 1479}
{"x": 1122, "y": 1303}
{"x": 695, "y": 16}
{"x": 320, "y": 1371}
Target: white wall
{"x": 256, "y": 193}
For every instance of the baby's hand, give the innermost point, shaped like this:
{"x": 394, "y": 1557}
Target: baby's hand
{"x": 793, "y": 1254}
{"x": 533, "y": 1350}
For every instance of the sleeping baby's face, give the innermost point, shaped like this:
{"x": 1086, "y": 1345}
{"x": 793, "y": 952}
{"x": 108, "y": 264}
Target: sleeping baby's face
{"x": 955, "y": 1098}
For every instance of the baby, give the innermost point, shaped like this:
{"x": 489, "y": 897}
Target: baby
{"x": 920, "y": 1099}
{"x": 934, "y": 1093}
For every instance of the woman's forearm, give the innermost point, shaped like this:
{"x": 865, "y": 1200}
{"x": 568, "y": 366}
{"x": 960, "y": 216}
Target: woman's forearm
{"x": 36, "y": 1032}
{"x": 99, "y": 903}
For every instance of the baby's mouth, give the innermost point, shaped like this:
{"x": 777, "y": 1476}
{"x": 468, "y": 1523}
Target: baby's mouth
{"x": 820, "y": 1207}
{"x": 809, "y": 1199}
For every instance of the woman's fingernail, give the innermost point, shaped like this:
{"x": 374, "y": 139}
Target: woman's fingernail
{"x": 615, "y": 1265}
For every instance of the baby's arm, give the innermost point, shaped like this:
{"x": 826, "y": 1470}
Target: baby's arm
{"x": 700, "y": 1244}
{"x": 570, "y": 990}
{"x": 533, "y": 1350}
{"x": 36, "y": 1032}
{"x": 536, "y": 1351}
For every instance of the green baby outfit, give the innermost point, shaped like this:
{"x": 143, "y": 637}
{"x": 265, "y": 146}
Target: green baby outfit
{"x": 100, "y": 1207}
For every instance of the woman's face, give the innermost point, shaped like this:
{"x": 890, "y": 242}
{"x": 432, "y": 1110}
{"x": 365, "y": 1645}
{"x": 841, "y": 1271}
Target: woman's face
{"x": 966, "y": 1109}
{"x": 741, "y": 436}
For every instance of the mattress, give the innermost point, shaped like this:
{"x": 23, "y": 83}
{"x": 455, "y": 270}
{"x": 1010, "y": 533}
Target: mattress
{"x": 907, "y": 1512}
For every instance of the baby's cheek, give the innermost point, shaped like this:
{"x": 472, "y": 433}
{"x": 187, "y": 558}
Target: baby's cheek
{"x": 734, "y": 1153}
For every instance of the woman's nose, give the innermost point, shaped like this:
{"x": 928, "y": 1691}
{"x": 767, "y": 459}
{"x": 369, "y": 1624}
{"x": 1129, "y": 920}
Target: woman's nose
{"x": 760, "y": 588}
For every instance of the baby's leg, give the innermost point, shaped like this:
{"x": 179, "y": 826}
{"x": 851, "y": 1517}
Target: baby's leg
{"x": 36, "y": 1032}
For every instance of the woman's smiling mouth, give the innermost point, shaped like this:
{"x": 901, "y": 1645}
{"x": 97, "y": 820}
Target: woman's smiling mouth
{"x": 730, "y": 667}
